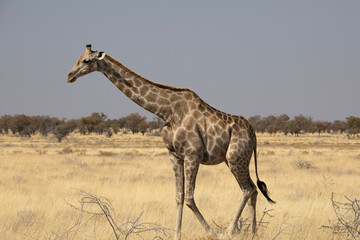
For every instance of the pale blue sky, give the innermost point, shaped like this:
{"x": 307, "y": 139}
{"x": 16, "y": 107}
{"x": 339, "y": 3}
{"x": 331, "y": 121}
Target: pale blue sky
{"x": 242, "y": 57}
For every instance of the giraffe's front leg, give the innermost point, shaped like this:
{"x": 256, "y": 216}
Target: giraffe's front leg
{"x": 192, "y": 167}
{"x": 178, "y": 167}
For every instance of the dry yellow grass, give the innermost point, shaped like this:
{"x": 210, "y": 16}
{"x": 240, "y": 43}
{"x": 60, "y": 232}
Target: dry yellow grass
{"x": 40, "y": 179}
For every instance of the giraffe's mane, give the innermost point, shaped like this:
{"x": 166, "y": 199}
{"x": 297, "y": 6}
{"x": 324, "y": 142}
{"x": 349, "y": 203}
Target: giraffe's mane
{"x": 145, "y": 79}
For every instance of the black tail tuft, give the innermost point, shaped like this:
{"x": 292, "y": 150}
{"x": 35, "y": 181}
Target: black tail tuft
{"x": 261, "y": 185}
{"x": 264, "y": 191}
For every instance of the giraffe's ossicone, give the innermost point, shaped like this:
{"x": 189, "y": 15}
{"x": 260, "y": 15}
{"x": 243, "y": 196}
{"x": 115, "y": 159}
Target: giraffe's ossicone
{"x": 195, "y": 133}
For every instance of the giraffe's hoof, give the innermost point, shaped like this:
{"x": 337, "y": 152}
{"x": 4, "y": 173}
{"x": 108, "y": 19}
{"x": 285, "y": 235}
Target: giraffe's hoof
{"x": 177, "y": 237}
{"x": 211, "y": 234}
{"x": 233, "y": 231}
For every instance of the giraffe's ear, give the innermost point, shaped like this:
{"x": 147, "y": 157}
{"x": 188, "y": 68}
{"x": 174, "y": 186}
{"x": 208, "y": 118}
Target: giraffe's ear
{"x": 101, "y": 55}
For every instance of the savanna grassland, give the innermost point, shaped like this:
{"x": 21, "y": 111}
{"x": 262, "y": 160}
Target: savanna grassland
{"x": 51, "y": 190}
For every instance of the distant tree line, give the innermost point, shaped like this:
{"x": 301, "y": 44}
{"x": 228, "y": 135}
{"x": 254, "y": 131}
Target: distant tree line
{"x": 301, "y": 124}
{"x": 99, "y": 123}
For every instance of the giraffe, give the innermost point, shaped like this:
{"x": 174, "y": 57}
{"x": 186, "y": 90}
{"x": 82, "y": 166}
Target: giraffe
{"x": 195, "y": 133}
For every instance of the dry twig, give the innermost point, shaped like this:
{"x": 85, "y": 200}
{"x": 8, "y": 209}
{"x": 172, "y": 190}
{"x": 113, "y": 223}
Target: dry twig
{"x": 347, "y": 222}
{"x": 132, "y": 228}
{"x": 244, "y": 226}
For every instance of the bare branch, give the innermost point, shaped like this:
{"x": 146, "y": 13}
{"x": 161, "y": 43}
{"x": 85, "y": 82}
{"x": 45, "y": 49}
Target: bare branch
{"x": 347, "y": 220}
{"x": 133, "y": 228}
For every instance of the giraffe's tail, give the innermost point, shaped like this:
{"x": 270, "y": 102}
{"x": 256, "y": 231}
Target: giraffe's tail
{"x": 261, "y": 185}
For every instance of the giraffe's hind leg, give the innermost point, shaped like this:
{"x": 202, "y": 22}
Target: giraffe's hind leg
{"x": 252, "y": 209}
{"x": 238, "y": 163}
{"x": 250, "y": 192}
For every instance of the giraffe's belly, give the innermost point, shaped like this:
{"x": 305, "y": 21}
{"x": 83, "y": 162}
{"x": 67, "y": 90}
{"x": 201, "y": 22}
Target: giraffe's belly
{"x": 211, "y": 158}
{"x": 216, "y": 147}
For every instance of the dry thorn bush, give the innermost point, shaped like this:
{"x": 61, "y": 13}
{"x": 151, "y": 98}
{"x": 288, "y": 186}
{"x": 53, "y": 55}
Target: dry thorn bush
{"x": 93, "y": 207}
{"x": 347, "y": 222}
{"x": 325, "y": 181}
{"x": 303, "y": 164}
{"x": 244, "y": 228}
{"x": 288, "y": 229}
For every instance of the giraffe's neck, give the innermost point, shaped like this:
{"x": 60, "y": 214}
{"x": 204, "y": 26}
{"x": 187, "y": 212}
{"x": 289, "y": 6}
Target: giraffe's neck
{"x": 152, "y": 96}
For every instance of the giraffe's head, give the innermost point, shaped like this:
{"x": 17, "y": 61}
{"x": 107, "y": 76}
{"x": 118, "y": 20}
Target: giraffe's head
{"x": 86, "y": 63}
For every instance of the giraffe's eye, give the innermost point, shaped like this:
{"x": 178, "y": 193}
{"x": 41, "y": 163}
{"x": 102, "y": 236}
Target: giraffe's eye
{"x": 86, "y": 61}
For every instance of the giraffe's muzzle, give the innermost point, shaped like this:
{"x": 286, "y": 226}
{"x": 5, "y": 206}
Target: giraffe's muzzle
{"x": 71, "y": 78}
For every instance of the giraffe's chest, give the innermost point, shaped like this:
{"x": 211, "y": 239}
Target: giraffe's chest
{"x": 167, "y": 136}
{"x": 174, "y": 140}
